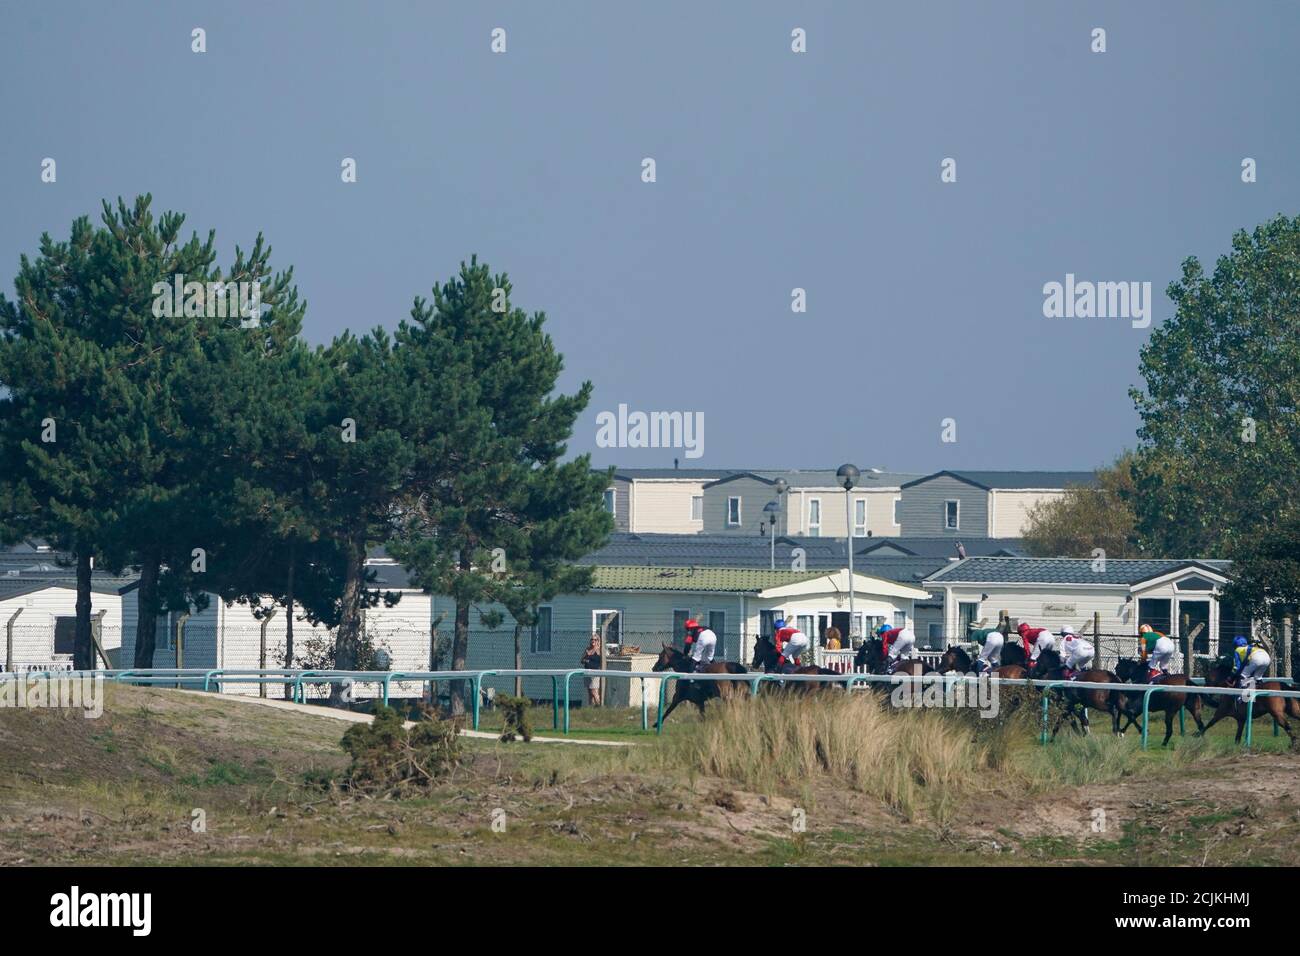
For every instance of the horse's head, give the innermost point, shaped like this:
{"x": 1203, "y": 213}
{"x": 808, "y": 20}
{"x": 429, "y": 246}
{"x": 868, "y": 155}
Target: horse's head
{"x": 1130, "y": 670}
{"x": 764, "y": 652}
{"x": 1220, "y": 672}
{"x": 870, "y": 655}
{"x": 1047, "y": 662}
{"x": 668, "y": 657}
{"x": 954, "y": 659}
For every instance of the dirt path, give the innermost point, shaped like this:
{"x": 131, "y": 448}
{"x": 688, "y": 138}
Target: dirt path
{"x": 315, "y": 710}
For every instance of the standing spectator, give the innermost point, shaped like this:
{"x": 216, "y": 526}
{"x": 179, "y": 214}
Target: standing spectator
{"x": 833, "y": 638}
{"x": 591, "y": 662}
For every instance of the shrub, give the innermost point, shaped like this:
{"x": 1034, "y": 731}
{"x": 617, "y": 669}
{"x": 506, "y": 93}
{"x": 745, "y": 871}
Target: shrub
{"x": 514, "y": 710}
{"x": 389, "y": 760}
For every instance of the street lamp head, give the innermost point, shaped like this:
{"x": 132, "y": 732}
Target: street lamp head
{"x": 848, "y": 476}
{"x": 781, "y": 486}
{"x": 771, "y": 509}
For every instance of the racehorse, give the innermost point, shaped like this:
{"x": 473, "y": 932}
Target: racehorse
{"x": 1013, "y": 653}
{"x": 1132, "y": 671}
{"x": 956, "y": 658}
{"x": 767, "y": 657}
{"x": 698, "y": 691}
{"x": 1222, "y": 674}
{"x": 1077, "y": 699}
{"x": 871, "y": 658}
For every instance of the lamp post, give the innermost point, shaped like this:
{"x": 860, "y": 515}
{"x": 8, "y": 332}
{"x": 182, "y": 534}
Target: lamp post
{"x": 781, "y": 487}
{"x": 848, "y": 476}
{"x": 771, "y": 509}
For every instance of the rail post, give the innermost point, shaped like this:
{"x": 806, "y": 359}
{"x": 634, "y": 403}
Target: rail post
{"x": 659, "y": 717}
{"x": 645, "y": 708}
{"x": 477, "y": 683}
{"x": 1146, "y": 714}
{"x": 1250, "y": 718}
{"x": 1047, "y": 697}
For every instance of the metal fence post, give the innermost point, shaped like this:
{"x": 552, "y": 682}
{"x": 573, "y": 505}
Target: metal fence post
{"x": 9, "y": 641}
{"x": 1185, "y": 642}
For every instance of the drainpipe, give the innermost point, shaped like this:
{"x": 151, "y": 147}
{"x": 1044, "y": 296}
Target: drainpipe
{"x": 9, "y": 641}
{"x": 261, "y": 660}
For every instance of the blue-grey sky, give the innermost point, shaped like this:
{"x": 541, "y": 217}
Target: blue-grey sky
{"x": 775, "y": 170}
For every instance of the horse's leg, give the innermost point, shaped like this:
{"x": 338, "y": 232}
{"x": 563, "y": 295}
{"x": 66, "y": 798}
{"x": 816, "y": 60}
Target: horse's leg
{"x": 1060, "y": 720}
{"x": 1221, "y": 711}
{"x": 1169, "y": 726}
{"x": 678, "y": 697}
{"x": 1194, "y": 708}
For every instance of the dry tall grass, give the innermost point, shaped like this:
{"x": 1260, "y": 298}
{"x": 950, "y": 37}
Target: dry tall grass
{"x": 915, "y": 761}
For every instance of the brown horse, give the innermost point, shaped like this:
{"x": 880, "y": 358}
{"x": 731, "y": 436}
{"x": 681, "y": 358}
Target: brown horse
{"x": 767, "y": 658}
{"x": 871, "y": 658}
{"x": 1222, "y": 675}
{"x": 698, "y": 692}
{"x": 957, "y": 659}
{"x": 1087, "y": 690}
{"x": 1170, "y": 702}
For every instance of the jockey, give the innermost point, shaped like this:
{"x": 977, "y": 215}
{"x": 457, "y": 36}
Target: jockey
{"x": 1036, "y": 640}
{"x": 896, "y": 642}
{"x": 791, "y": 644}
{"x": 701, "y": 643}
{"x": 1078, "y": 652}
{"x": 1248, "y": 659}
{"x": 1156, "y": 649}
{"x": 990, "y": 640}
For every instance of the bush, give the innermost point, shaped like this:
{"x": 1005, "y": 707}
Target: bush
{"x": 389, "y": 760}
{"x": 514, "y": 711}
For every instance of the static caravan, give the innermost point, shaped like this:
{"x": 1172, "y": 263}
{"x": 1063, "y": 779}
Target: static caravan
{"x": 231, "y": 636}
{"x": 646, "y": 607}
{"x": 1175, "y": 597}
{"x": 38, "y": 615}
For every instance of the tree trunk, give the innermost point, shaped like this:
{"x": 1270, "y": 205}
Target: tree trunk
{"x": 347, "y": 639}
{"x": 288, "y": 621}
{"x": 460, "y": 646}
{"x": 83, "y": 651}
{"x": 519, "y": 663}
{"x": 146, "y": 613}
{"x": 460, "y": 689}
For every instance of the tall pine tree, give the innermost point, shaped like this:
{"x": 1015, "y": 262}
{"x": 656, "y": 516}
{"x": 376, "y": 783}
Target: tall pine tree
{"x": 491, "y": 476}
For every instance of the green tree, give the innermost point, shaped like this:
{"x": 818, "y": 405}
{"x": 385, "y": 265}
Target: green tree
{"x": 1219, "y": 464}
{"x": 1219, "y": 456}
{"x": 199, "y": 360}
{"x": 364, "y": 452}
{"x": 73, "y": 447}
{"x": 1088, "y": 517}
{"x": 490, "y": 485}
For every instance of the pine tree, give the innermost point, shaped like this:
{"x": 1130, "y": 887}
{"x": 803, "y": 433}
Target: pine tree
{"x": 489, "y": 483}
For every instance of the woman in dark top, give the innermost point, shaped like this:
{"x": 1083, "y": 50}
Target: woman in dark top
{"x": 591, "y": 662}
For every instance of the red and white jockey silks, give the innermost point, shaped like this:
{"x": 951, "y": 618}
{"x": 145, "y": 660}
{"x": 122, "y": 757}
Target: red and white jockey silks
{"x": 1035, "y": 640}
{"x": 791, "y": 643}
{"x": 898, "y": 642}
